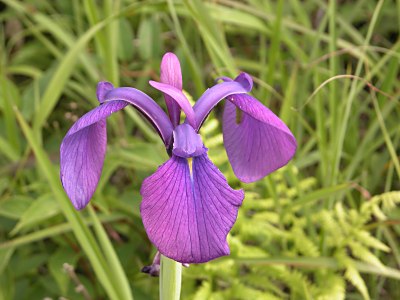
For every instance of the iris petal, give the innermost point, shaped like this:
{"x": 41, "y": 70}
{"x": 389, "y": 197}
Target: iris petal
{"x": 147, "y": 106}
{"x": 82, "y": 153}
{"x": 259, "y": 142}
{"x": 188, "y": 216}
{"x": 83, "y": 149}
{"x": 178, "y": 97}
{"x": 171, "y": 74}
{"x": 103, "y": 87}
{"x": 241, "y": 85}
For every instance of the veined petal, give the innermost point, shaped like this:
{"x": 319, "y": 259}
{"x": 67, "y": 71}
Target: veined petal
{"x": 188, "y": 216}
{"x": 178, "y": 97}
{"x": 241, "y": 85}
{"x": 150, "y": 109}
{"x": 259, "y": 142}
{"x": 171, "y": 74}
{"x": 82, "y": 153}
{"x": 171, "y": 70}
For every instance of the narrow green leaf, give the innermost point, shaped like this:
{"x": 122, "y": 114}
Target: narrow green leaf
{"x": 5, "y": 255}
{"x": 118, "y": 274}
{"x": 62, "y": 74}
{"x": 9, "y": 97}
{"x": 15, "y": 207}
{"x": 149, "y": 36}
{"x": 40, "y": 209}
{"x": 52, "y": 232}
{"x": 320, "y": 262}
{"x": 125, "y": 49}
{"x": 7, "y": 150}
{"x": 324, "y": 193}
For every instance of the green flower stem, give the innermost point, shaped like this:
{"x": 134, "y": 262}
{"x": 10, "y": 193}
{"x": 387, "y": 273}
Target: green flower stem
{"x": 170, "y": 279}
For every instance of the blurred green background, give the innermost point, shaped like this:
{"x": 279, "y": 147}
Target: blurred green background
{"x": 324, "y": 227}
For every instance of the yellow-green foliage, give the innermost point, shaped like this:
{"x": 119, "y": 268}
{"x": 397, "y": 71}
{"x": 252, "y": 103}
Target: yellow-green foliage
{"x": 279, "y": 234}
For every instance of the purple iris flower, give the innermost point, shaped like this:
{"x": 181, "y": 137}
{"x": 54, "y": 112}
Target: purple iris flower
{"x": 188, "y": 208}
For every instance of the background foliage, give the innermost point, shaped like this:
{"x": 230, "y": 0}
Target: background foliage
{"x": 324, "y": 227}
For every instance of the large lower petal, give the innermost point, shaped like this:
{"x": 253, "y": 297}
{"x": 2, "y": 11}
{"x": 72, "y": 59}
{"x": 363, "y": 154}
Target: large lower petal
{"x": 82, "y": 153}
{"x": 171, "y": 74}
{"x": 188, "y": 216}
{"x": 256, "y": 140}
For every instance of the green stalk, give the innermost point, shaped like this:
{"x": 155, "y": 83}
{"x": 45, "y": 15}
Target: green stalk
{"x": 170, "y": 279}
{"x": 333, "y": 98}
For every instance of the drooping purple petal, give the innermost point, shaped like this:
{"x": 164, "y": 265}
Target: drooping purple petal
{"x": 223, "y": 78}
{"x": 150, "y": 109}
{"x": 256, "y": 140}
{"x": 83, "y": 148}
{"x": 82, "y": 153}
{"x": 103, "y": 87}
{"x": 187, "y": 217}
{"x": 171, "y": 74}
{"x": 178, "y": 97}
{"x": 241, "y": 85}
{"x": 187, "y": 143}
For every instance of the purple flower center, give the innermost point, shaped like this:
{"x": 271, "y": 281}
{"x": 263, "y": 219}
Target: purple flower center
{"x": 187, "y": 143}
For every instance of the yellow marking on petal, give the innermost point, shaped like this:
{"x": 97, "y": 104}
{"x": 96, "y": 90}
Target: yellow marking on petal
{"x": 190, "y": 162}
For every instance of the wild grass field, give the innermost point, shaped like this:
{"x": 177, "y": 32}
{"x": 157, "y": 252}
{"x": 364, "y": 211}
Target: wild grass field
{"x": 326, "y": 226}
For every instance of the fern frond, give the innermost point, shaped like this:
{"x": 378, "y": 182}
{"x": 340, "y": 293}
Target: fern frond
{"x": 257, "y": 205}
{"x": 203, "y": 292}
{"x": 390, "y": 200}
{"x": 258, "y": 279}
{"x": 367, "y": 239}
{"x": 303, "y": 244}
{"x": 267, "y": 216}
{"x": 364, "y": 254}
{"x": 331, "y": 287}
{"x": 243, "y": 292}
{"x": 355, "y": 278}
